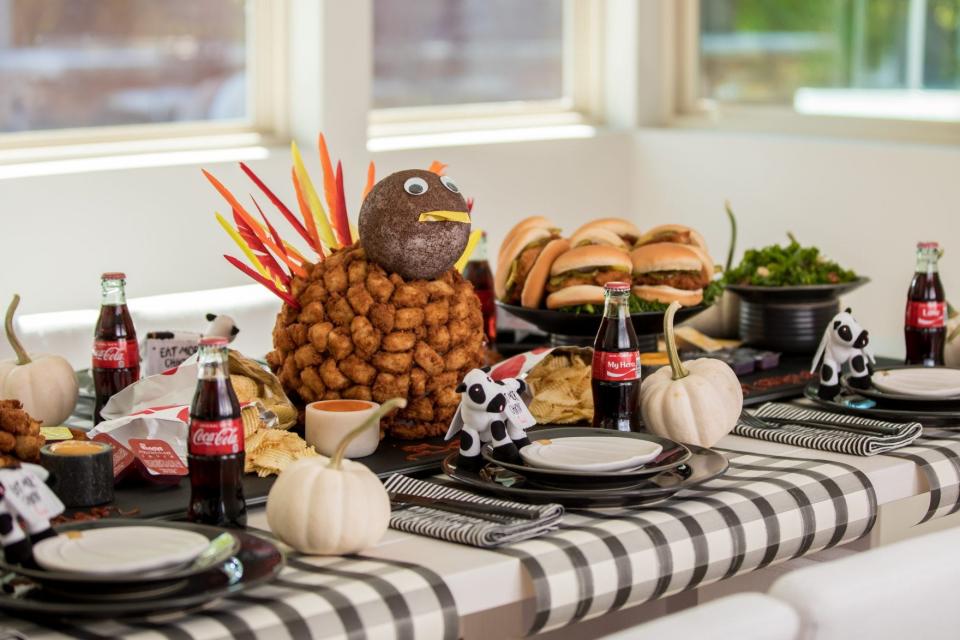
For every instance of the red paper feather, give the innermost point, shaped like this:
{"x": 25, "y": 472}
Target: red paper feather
{"x": 272, "y": 265}
{"x": 291, "y": 218}
{"x": 269, "y": 284}
{"x": 338, "y": 213}
{"x": 470, "y": 204}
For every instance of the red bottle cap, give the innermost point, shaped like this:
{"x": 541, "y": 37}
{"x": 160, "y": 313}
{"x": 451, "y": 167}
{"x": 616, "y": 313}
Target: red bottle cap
{"x": 114, "y": 275}
{"x": 928, "y": 245}
{"x": 617, "y": 286}
{"x": 213, "y": 341}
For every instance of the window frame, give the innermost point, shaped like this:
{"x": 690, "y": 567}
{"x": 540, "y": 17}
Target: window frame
{"x": 692, "y": 111}
{"x": 266, "y": 94}
{"x": 581, "y": 104}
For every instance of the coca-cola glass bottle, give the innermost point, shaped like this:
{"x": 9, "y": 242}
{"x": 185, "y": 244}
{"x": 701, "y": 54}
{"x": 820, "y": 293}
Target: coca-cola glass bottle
{"x": 616, "y": 364}
{"x": 116, "y": 356}
{"x": 925, "y": 321}
{"x": 478, "y": 273}
{"x": 215, "y": 453}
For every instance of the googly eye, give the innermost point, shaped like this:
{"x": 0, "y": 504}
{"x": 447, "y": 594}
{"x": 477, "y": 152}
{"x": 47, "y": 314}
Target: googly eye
{"x": 449, "y": 184}
{"x": 415, "y": 186}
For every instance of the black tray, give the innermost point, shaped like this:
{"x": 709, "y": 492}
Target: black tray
{"x": 800, "y": 293}
{"x": 843, "y": 403}
{"x": 586, "y": 324}
{"x": 259, "y": 562}
{"x": 704, "y": 465}
{"x": 674, "y": 454}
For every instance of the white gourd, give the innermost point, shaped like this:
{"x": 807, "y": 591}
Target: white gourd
{"x": 951, "y": 348}
{"x": 331, "y": 507}
{"x": 45, "y": 384}
{"x": 697, "y": 402}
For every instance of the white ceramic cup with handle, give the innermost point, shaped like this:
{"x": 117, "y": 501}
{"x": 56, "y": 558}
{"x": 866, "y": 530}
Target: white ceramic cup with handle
{"x": 329, "y": 421}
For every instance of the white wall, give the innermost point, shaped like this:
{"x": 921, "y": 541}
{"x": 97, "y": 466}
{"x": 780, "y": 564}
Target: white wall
{"x": 864, "y": 204}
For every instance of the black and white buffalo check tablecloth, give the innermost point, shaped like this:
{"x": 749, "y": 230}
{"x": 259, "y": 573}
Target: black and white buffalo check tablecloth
{"x": 766, "y": 509}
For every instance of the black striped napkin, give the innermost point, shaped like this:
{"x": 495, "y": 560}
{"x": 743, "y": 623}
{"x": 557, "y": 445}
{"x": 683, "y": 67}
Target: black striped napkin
{"x": 824, "y": 439}
{"x": 454, "y": 527}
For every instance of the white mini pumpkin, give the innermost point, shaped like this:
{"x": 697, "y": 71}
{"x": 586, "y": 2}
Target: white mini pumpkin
{"x": 696, "y": 402}
{"x": 951, "y": 347}
{"x": 45, "y": 384}
{"x": 331, "y": 507}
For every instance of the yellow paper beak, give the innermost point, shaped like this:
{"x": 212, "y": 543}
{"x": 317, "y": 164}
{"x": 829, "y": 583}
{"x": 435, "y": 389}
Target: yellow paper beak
{"x": 441, "y": 216}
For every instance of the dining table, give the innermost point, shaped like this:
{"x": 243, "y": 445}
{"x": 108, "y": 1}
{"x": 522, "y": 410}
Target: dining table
{"x": 777, "y": 504}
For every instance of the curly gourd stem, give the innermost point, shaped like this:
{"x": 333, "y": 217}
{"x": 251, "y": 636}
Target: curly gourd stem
{"x": 792, "y": 237}
{"x": 22, "y": 357}
{"x": 733, "y": 236}
{"x": 675, "y": 364}
{"x": 373, "y": 419}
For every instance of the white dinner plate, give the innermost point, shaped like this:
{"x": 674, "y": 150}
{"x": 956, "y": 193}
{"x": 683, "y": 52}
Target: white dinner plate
{"x": 119, "y": 550}
{"x": 590, "y": 453}
{"x": 929, "y": 382}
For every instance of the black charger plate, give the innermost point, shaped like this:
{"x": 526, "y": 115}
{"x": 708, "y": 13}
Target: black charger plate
{"x": 257, "y": 561}
{"x": 703, "y": 465}
{"x": 586, "y": 324}
{"x": 927, "y": 417}
{"x": 673, "y": 455}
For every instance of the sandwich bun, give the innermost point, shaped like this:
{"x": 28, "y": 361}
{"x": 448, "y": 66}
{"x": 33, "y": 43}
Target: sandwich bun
{"x": 597, "y": 235}
{"x": 667, "y": 256}
{"x": 533, "y": 222}
{"x": 695, "y": 238}
{"x": 666, "y": 294}
{"x": 592, "y": 256}
{"x": 533, "y": 287}
{"x": 512, "y": 251}
{"x": 621, "y": 227}
{"x": 572, "y": 296}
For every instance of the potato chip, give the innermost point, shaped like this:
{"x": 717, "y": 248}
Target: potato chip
{"x": 560, "y": 385}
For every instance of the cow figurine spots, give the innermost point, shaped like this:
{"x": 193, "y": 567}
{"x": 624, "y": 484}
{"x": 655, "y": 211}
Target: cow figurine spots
{"x": 844, "y": 342}
{"x": 485, "y": 415}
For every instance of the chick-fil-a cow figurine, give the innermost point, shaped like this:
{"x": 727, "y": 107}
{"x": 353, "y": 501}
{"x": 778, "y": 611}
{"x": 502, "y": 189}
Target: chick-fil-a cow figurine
{"x": 490, "y": 411}
{"x": 844, "y": 342}
{"x": 27, "y": 505}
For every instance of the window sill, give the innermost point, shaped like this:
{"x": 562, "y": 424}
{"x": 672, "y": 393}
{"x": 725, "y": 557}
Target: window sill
{"x": 469, "y": 137}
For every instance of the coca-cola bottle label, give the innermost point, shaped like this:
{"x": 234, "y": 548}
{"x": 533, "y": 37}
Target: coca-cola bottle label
{"x": 926, "y": 315}
{"x": 115, "y": 354}
{"x": 215, "y": 437}
{"x": 616, "y": 366}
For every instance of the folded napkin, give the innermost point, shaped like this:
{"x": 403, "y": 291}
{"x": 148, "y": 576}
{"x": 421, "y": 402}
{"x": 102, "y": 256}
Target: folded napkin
{"x": 825, "y": 439}
{"x": 470, "y": 530}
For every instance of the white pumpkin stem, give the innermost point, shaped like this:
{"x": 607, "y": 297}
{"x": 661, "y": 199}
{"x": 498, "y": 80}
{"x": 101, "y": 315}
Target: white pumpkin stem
{"x": 676, "y": 365}
{"x": 733, "y": 236}
{"x": 374, "y": 418}
{"x": 22, "y": 356}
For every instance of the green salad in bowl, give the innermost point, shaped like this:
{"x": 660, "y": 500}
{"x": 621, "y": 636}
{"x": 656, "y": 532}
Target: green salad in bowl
{"x": 787, "y": 266}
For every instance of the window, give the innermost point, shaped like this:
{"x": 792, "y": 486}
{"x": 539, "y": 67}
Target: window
{"x": 67, "y": 64}
{"x": 443, "y": 60}
{"x": 875, "y": 58}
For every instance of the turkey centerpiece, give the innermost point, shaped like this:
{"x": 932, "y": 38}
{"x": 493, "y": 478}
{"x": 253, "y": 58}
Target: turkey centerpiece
{"x": 385, "y": 316}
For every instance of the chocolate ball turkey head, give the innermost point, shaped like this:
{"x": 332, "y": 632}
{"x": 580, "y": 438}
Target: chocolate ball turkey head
{"x": 414, "y": 223}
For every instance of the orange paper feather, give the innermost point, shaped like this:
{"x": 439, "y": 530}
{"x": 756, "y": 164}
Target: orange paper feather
{"x": 437, "y": 167}
{"x": 371, "y": 178}
{"x": 310, "y": 223}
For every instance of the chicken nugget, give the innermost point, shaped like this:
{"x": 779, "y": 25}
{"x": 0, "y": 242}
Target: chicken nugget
{"x": 399, "y": 341}
{"x": 447, "y": 397}
{"x": 289, "y": 373}
{"x": 428, "y": 359}
{"x": 436, "y": 313}
{"x": 307, "y": 394}
{"x": 336, "y": 259}
{"x": 379, "y": 286}
{"x": 340, "y": 312}
{"x": 7, "y": 442}
{"x": 418, "y": 382}
{"x": 358, "y": 392}
{"x": 445, "y": 379}
{"x": 312, "y": 313}
{"x": 438, "y": 289}
{"x": 11, "y": 404}
{"x": 408, "y": 318}
{"x": 332, "y": 377}
{"x": 311, "y": 377}
{"x": 439, "y": 339}
{"x": 27, "y": 448}
{"x": 307, "y": 356}
{"x": 357, "y": 271}
{"x": 281, "y": 338}
{"x": 460, "y": 310}
{"x": 420, "y": 409}
{"x": 383, "y": 316}
{"x": 407, "y": 295}
{"x": 459, "y": 332}
{"x": 297, "y": 286}
{"x": 366, "y": 339}
{"x": 360, "y": 299}
{"x": 298, "y": 333}
{"x": 15, "y": 421}
{"x": 393, "y": 362}
{"x": 335, "y": 278}
{"x": 318, "y": 335}
{"x": 358, "y": 370}
{"x": 339, "y": 344}
{"x": 274, "y": 360}
{"x": 389, "y": 386}
{"x": 331, "y": 395}
{"x": 316, "y": 292}
{"x": 457, "y": 358}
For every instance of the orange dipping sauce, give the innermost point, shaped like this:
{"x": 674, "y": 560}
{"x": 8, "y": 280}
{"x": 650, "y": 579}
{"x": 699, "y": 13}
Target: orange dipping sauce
{"x": 342, "y": 405}
{"x": 77, "y": 448}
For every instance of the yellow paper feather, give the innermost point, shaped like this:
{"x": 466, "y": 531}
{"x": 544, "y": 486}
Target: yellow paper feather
{"x": 313, "y": 200}
{"x": 468, "y": 250}
{"x": 243, "y": 246}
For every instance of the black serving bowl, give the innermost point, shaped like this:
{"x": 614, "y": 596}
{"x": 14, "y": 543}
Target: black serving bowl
{"x": 789, "y": 319}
